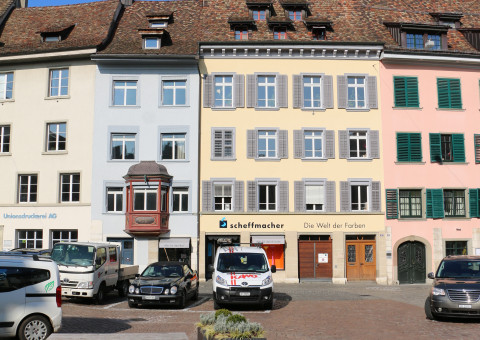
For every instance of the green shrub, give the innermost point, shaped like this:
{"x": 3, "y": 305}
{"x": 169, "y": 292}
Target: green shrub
{"x": 222, "y": 311}
{"x": 236, "y": 318}
{"x": 224, "y": 324}
{"x": 207, "y": 319}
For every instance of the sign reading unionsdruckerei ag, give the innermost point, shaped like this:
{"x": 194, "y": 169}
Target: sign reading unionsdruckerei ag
{"x": 310, "y": 225}
{"x": 29, "y": 216}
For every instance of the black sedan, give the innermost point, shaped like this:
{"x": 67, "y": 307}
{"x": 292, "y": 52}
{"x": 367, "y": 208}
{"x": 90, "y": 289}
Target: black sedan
{"x": 164, "y": 283}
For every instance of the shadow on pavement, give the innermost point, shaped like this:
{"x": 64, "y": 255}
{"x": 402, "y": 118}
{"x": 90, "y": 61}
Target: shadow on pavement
{"x": 280, "y": 300}
{"x": 95, "y": 325}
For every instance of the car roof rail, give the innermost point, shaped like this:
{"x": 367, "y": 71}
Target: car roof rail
{"x": 227, "y": 242}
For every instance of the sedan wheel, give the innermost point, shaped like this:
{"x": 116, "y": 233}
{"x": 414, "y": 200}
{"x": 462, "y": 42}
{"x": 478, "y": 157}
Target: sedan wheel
{"x": 183, "y": 300}
{"x": 428, "y": 310}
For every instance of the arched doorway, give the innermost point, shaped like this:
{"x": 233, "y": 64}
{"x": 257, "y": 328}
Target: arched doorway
{"x": 411, "y": 262}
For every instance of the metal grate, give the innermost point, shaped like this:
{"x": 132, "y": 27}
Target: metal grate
{"x": 151, "y": 290}
{"x": 463, "y": 295}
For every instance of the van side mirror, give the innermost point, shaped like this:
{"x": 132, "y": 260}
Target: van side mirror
{"x": 137, "y": 276}
{"x": 431, "y": 276}
{"x": 273, "y": 268}
{"x": 210, "y": 268}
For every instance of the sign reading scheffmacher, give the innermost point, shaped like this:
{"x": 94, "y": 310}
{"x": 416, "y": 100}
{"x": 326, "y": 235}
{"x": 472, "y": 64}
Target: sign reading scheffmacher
{"x": 250, "y": 225}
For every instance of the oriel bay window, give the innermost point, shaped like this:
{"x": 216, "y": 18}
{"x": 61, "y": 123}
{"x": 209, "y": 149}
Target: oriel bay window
{"x": 145, "y": 199}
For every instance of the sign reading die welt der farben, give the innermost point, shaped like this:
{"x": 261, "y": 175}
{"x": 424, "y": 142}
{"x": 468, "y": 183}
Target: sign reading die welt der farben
{"x": 334, "y": 225}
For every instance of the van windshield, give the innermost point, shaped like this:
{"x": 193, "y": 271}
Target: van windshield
{"x": 242, "y": 262}
{"x": 73, "y": 255}
{"x": 459, "y": 269}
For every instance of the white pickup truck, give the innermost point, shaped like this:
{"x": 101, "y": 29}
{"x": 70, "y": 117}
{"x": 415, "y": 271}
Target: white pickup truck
{"x": 89, "y": 270}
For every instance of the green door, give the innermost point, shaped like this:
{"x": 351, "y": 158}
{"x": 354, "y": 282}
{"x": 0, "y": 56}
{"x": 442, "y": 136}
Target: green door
{"x": 411, "y": 262}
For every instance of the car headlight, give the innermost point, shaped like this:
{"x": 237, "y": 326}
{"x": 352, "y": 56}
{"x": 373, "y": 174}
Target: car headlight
{"x": 85, "y": 285}
{"x": 220, "y": 280}
{"x": 166, "y": 291}
{"x": 267, "y": 281}
{"x": 438, "y": 291}
{"x": 137, "y": 290}
{"x": 173, "y": 290}
{"x": 131, "y": 289}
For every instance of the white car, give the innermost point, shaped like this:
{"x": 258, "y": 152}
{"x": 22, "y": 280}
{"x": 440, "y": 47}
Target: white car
{"x": 30, "y": 296}
{"x": 242, "y": 275}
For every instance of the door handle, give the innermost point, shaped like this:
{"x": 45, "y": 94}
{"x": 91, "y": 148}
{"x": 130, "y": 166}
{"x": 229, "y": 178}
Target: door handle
{"x": 361, "y": 264}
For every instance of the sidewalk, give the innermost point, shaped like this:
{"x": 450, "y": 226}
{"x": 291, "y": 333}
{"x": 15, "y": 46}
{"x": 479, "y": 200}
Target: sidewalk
{"x": 119, "y": 336}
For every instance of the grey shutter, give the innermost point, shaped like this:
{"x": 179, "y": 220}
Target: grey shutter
{"x": 330, "y": 202}
{"x": 252, "y": 196}
{"x": 297, "y": 91}
{"x": 283, "y": 144}
{"x": 374, "y": 144}
{"x": 251, "y": 144}
{"x": 345, "y": 197}
{"x": 299, "y": 188}
{"x": 208, "y": 91}
{"x": 239, "y": 189}
{"x": 251, "y": 90}
{"x": 239, "y": 90}
{"x": 330, "y": 144}
{"x": 328, "y": 92}
{"x": 207, "y": 204}
{"x": 343, "y": 143}
{"x": 282, "y": 88}
{"x": 283, "y": 196}
{"x": 376, "y": 202}
{"x": 297, "y": 143}
{"x": 342, "y": 91}
{"x": 372, "y": 92}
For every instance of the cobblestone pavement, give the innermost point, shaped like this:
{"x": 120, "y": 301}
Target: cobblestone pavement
{"x": 311, "y": 310}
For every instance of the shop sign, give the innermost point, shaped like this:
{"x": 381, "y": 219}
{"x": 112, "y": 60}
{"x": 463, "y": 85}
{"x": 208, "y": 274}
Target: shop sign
{"x": 336, "y": 225}
{"x": 323, "y": 258}
{"x": 33, "y": 216}
{"x": 223, "y": 223}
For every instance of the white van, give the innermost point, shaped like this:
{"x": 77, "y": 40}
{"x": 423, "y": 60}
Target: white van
{"x": 30, "y": 296}
{"x": 242, "y": 275}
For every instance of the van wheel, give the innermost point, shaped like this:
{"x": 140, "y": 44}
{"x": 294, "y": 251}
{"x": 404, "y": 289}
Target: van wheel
{"x": 268, "y": 305}
{"x": 216, "y": 305}
{"x": 35, "y": 327}
{"x": 123, "y": 288}
{"x": 428, "y": 310}
{"x": 100, "y": 297}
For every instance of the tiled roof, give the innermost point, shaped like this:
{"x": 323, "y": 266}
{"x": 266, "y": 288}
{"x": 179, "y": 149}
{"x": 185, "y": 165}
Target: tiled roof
{"x": 91, "y": 23}
{"x": 4, "y": 5}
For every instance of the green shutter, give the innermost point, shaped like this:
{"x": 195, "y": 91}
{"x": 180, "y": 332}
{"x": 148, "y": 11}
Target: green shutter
{"x": 409, "y": 147}
{"x": 449, "y": 93}
{"x": 473, "y": 203}
{"x": 392, "y": 203}
{"x": 458, "y": 146}
{"x": 455, "y": 94}
{"x": 476, "y": 141}
{"x": 416, "y": 147}
{"x": 406, "y": 91}
{"x": 412, "y": 92}
{"x": 435, "y": 147}
{"x": 435, "y": 203}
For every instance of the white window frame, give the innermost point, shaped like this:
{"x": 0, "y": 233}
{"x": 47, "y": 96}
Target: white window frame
{"x": 145, "y": 191}
{"x": 31, "y": 188}
{"x": 222, "y": 87}
{"x": 266, "y": 85}
{"x": 313, "y": 138}
{"x": 356, "y": 88}
{"x": 276, "y": 195}
{"x": 69, "y": 238}
{"x": 310, "y": 88}
{"x": 181, "y": 191}
{"x": 36, "y": 238}
{"x": 177, "y": 137}
{"x": 70, "y": 185}
{"x": 147, "y": 39}
{"x": 223, "y": 196}
{"x": 123, "y": 138}
{"x": 4, "y": 85}
{"x": 360, "y": 183}
{"x": 316, "y": 183}
{"x": 57, "y": 133}
{"x": 175, "y": 87}
{"x": 59, "y": 88}
{"x": 358, "y": 139}
{"x": 267, "y": 138}
{"x": 114, "y": 191}
{"x": 3, "y": 134}
{"x": 116, "y": 85}
{"x": 158, "y": 24}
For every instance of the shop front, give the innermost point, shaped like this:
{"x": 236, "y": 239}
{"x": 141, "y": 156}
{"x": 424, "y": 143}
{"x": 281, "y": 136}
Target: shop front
{"x": 175, "y": 249}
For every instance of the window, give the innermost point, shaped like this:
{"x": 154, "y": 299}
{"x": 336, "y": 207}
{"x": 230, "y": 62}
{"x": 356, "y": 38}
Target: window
{"x": 454, "y": 202}
{"x": 266, "y": 91}
{"x": 223, "y": 143}
{"x": 410, "y": 203}
{"x": 58, "y": 83}
{"x": 223, "y": 91}
{"x": 164, "y": 196}
{"x": 63, "y": 236}
{"x": 145, "y": 199}
{"x": 158, "y": 24}
{"x": 447, "y": 147}
{"x": 449, "y": 93}
{"x": 241, "y": 34}
{"x": 125, "y": 93}
{"x": 314, "y": 197}
{"x": 180, "y": 199}
{"x": 358, "y": 144}
{"x": 174, "y": 92}
{"x": 313, "y": 144}
{"x": 275, "y": 255}
{"x": 114, "y": 199}
{"x": 476, "y": 141}
{"x": 27, "y": 188}
{"x": 360, "y": 195}
{"x": 223, "y": 198}
{"x": 6, "y": 86}
{"x": 267, "y": 144}
{"x": 295, "y": 15}
{"x": 123, "y": 146}
{"x": 319, "y": 33}
{"x": 4, "y": 138}
{"x": 69, "y": 188}
{"x": 406, "y": 91}
{"x": 30, "y": 239}
{"x": 356, "y": 92}
{"x": 409, "y": 147}
{"x": 415, "y": 41}
{"x": 312, "y": 92}
{"x": 456, "y": 248}
{"x": 57, "y": 136}
{"x": 279, "y": 33}
{"x": 435, "y": 39}
{"x": 267, "y": 197}
{"x": 259, "y": 14}
{"x": 14, "y": 278}
{"x": 173, "y": 146}
{"x": 474, "y": 202}
{"x": 151, "y": 43}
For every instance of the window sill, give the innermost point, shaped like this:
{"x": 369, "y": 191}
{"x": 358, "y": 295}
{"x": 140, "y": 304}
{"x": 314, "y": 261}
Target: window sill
{"x": 360, "y": 159}
{"x": 173, "y": 106}
{"x": 7, "y": 100}
{"x": 57, "y": 97}
{"x": 223, "y": 159}
{"x": 413, "y": 219}
{"x": 49, "y": 153}
{"x": 5, "y": 154}
{"x": 124, "y": 107}
{"x": 180, "y": 213}
{"x": 267, "y": 109}
{"x": 314, "y": 109}
{"x": 357, "y": 110}
{"x": 70, "y": 203}
{"x": 314, "y": 159}
{"x": 174, "y": 160}
{"x": 450, "y": 109}
{"x": 451, "y": 163}
{"x": 456, "y": 218}
{"x": 219, "y": 108}
{"x": 410, "y": 163}
{"x": 114, "y": 213}
{"x": 122, "y": 160}
{"x": 399, "y": 108}
{"x": 268, "y": 159}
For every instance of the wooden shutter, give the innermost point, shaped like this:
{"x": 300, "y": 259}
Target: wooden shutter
{"x": 458, "y": 145}
{"x": 252, "y": 196}
{"x": 208, "y": 90}
{"x": 283, "y": 196}
{"x": 343, "y": 143}
{"x": 442, "y": 91}
{"x": 330, "y": 202}
{"x": 251, "y": 144}
{"x": 282, "y": 88}
{"x": 415, "y": 147}
{"x": 435, "y": 147}
{"x": 400, "y": 91}
{"x": 476, "y": 141}
{"x": 455, "y": 94}
{"x": 207, "y": 204}
{"x": 299, "y": 188}
{"x": 376, "y": 200}
{"x": 392, "y": 203}
{"x": 251, "y": 90}
{"x": 473, "y": 202}
{"x": 345, "y": 205}
{"x": 435, "y": 203}
{"x": 374, "y": 144}
{"x": 412, "y": 92}
{"x": 342, "y": 91}
{"x": 239, "y": 80}
{"x": 449, "y": 93}
{"x": 298, "y": 144}
{"x": 283, "y": 144}
{"x": 372, "y": 92}
{"x": 403, "y": 147}
{"x": 330, "y": 144}
{"x": 297, "y": 91}
{"x": 328, "y": 92}
{"x": 238, "y": 205}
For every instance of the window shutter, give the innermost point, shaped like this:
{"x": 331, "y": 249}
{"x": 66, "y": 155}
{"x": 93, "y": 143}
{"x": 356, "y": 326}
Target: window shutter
{"x": 473, "y": 203}
{"x": 435, "y": 148}
{"x": 376, "y": 201}
{"x": 283, "y": 144}
{"x": 455, "y": 94}
{"x": 330, "y": 144}
{"x": 251, "y": 144}
{"x": 435, "y": 203}
{"x": 442, "y": 91}
{"x": 217, "y": 144}
{"x": 476, "y": 140}
{"x": 328, "y": 92}
{"x": 392, "y": 203}
{"x": 342, "y": 91}
{"x": 403, "y": 147}
{"x": 415, "y": 147}
{"x": 372, "y": 92}
{"x": 208, "y": 91}
{"x": 330, "y": 204}
{"x": 374, "y": 144}
{"x": 252, "y": 196}
{"x": 283, "y": 196}
{"x": 299, "y": 188}
{"x": 251, "y": 90}
{"x": 298, "y": 144}
{"x": 343, "y": 143}
{"x": 449, "y": 93}
{"x": 400, "y": 91}
{"x": 239, "y": 189}
{"x": 239, "y": 90}
{"x": 412, "y": 92}
{"x": 207, "y": 196}
{"x": 282, "y": 88}
{"x": 458, "y": 145}
{"x": 297, "y": 91}
{"x": 345, "y": 205}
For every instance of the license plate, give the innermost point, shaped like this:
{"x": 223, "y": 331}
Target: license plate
{"x": 244, "y": 293}
{"x": 149, "y": 297}
{"x": 464, "y": 306}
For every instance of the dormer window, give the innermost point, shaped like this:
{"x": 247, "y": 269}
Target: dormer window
{"x": 259, "y": 14}
{"x": 241, "y": 26}
{"x": 451, "y": 20}
{"x": 241, "y": 33}
{"x": 55, "y": 34}
{"x": 295, "y": 14}
{"x": 158, "y": 24}
{"x": 318, "y": 33}
{"x": 318, "y": 27}
{"x": 49, "y": 38}
{"x": 151, "y": 42}
{"x": 279, "y": 33}
{"x": 420, "y": 36}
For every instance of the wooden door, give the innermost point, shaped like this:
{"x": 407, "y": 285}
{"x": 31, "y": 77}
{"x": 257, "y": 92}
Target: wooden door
{"x": 315, "y": 259}
{"x": 411, "y": 262}
{"x": 361, "y": 260}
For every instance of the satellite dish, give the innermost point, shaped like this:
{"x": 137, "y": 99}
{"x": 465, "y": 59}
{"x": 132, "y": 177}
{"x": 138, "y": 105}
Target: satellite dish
{"x": 429, "y": 44}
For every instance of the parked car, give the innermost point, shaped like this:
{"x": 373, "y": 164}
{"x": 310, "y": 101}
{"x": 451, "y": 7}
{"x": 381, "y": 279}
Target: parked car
{"x": 42, "y": 252}
{"x": 164, "y": 283}
{"x": 30, "y": 296}
{"x": 456, "y": 288}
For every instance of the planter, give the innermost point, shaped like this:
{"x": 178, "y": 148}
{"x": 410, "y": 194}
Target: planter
{"x": 201, "y": 336}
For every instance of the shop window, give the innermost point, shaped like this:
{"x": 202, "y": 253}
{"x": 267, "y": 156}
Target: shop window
{"x": 276, "y": 255}
{"x": 174, "y": 254}
{"x": 30, "y": 239}
{"x": 456, "y": 248}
